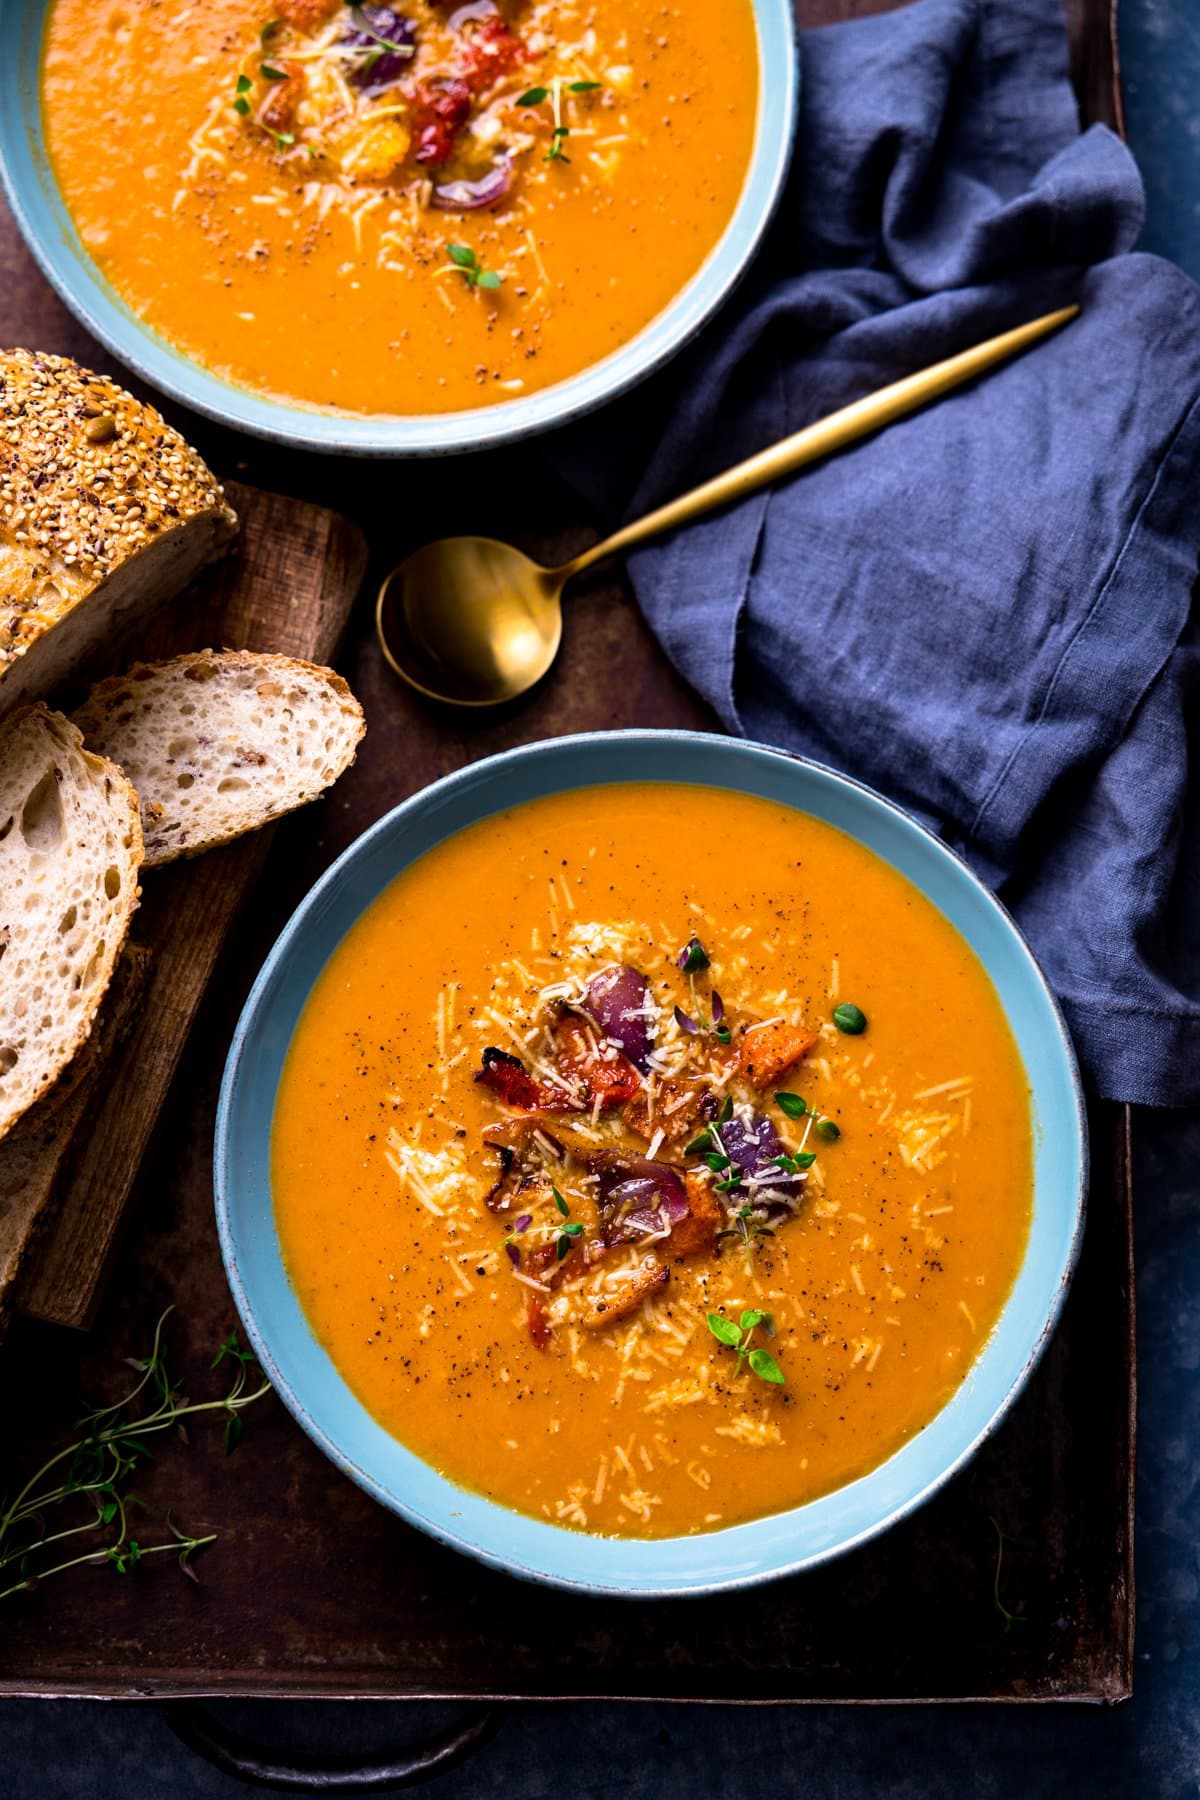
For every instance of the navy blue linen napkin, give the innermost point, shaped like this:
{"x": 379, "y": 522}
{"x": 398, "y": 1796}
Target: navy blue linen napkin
{"x": 984, "y": 611}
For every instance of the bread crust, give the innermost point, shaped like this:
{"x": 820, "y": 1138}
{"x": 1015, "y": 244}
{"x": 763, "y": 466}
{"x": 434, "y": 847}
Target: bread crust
{"x": 90, "y": 480}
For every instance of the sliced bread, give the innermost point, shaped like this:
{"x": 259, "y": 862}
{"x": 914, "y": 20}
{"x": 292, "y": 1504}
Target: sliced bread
{"x": 70, "y": 850}
{"x": 218, "y": 743}
{"x": 105, "y": 512}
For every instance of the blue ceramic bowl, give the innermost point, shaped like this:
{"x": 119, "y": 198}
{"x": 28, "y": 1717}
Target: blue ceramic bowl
{"x": 316, "y": 1393}
{"x": 51, "y": 235}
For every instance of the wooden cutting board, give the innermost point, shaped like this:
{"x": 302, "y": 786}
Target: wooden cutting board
{"x": 288, "y": 587}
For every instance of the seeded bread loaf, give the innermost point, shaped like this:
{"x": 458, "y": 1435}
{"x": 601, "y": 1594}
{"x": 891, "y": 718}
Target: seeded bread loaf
{"x": 70, "y": 850}
{"x": 217, "y": 743}
{"x": 105, "y": 512}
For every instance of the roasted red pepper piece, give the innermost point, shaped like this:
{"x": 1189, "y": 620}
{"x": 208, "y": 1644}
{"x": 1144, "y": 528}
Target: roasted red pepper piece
{"x": 509, "y": 1079}
{"x": 536, "y": 1320}
{"x": 278, "y": 112}
{"x": 439, "y": 109}
{"x": 493, "y": 50}
{"x": 611, "y": 1081}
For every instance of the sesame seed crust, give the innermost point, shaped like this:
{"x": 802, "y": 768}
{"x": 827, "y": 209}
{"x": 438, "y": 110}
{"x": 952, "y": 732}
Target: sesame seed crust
{"x": 89, "y": 477}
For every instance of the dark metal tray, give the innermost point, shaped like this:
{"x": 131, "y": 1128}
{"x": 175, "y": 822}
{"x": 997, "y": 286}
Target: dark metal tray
{"x": 313, "y": 1590}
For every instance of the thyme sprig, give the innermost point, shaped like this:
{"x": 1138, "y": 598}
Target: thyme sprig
{"x": 99, "y": 1465}
{"x": 747, "y": 1229}
{"x": 568, "y": 1232}
{"x": 465, "y": 262}
{"x": 694, "y": 959}
{"x": 554, "y": 91}
{"x": 738, "y": 1337}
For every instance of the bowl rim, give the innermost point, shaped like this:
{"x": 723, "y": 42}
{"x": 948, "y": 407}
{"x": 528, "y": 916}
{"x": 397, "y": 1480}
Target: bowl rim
{"x": 50, "y": 234}
{"x": 444, "y": 1530}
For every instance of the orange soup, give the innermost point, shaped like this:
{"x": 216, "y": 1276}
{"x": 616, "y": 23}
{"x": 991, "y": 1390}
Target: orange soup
{"x": 651, "y": 1158}
{"x": 408, "y": 208}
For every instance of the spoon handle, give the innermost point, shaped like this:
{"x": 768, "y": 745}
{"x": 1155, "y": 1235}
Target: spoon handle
{"x": 840, "y": 428}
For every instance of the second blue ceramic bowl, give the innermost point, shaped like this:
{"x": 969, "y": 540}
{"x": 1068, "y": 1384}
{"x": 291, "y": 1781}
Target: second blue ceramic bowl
{"x": 317, "y": 1394}
{"x": 48, "y": 230}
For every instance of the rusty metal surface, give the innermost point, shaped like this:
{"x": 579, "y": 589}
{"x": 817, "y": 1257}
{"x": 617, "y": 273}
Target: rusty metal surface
{"x": 313, "y": 1590}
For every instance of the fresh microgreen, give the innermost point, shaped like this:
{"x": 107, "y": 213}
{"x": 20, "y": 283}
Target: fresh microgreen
{"x": 554, "y": 91}
{"x": 727, "y": 1186}
{"x": 803, "y": 1159}
{"x": 466, "y": 262}
{"x": 283, "y": 139}
{"x": 693, "y": 957}
{"x": 850, "y": 1019}
{"x": 701, "y": 1141}
{"x": 364, "y": 25}
{"x": 717, "y": 1161}
{"x": 738, "y": 1337}
{"x": 829, "y": 1129}
{"x": 568, "y": 1232}
{"x": 241, "y": 89}
{"x": 726, "y": 1112}
{"x": 268, "y": 31}
{"x": 747, "y": 1229}
{"x": 269, "y": 72}
{"x": 793, "y": 1105}
{"x": 97, "y": 1467}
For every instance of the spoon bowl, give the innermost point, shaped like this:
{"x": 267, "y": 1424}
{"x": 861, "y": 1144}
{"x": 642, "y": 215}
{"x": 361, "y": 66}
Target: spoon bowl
{"x": 474, "y": 622}
{"x": 470, "y": 620}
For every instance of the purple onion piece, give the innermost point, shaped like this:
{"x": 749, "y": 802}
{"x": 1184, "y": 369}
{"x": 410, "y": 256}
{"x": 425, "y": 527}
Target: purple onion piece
{"x": 617, "y": 1000}
{"x": 384, "y": 63}
{"x": 752, "y": 1147}
{"x": 718, "y": 1007}
{"x": 469, "y": 196}
{"x": 637, "y": 1198}
{"x": 523, "y": 1223}
{"x": 684, "y": 1023}
{"x": 513, "y": 1254}
{"x": 475, "y": 9}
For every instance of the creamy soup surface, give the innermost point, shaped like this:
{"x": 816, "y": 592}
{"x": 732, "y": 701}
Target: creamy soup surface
{"x": 652, "y": 1158}
{"x": 409, "y": 208}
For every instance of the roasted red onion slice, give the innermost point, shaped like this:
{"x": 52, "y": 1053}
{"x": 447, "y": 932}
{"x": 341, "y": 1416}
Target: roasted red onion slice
{"x": 386, "y": 39}
{"x": 752, "y": 1146}
{"x": 636, "y": 1198}
{"x": 475, "y": 9}
{"x": 469, "y": 196}
{"x": 618, "y": 999}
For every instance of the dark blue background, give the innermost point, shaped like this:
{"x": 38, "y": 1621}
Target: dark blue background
{"x": 1149, "y": 1748}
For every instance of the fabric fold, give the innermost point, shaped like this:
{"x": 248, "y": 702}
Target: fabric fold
{"x": 984, "y": 611}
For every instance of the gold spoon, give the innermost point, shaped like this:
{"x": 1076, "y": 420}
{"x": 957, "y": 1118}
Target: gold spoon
{"x": 474, "y": 622}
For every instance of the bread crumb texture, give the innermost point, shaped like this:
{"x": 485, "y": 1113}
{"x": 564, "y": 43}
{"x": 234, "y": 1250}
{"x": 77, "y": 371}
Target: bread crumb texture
{"x": 217, "y": 743}
{"x": 70, "y": 851}
{"x": 89, "y": 477}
